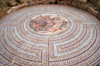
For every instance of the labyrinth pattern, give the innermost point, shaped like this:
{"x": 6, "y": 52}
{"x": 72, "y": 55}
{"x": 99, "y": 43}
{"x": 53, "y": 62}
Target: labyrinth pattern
{"x": 77, "y": 45}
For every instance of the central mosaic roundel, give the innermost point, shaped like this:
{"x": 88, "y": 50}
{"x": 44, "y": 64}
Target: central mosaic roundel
{"x": 48, "y": 23}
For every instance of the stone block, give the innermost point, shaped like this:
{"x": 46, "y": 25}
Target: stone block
{"x": 98, "y": 17}
{"x": 13, "y": 3}
{"x": 76, "y": 1}
{"x": 23, "y": 5}
{"x": 82, "y": 6}
{"x": 96, "y": 2}
{"x": 40, "y": 2}
{"x": 22, "y": 1}
{"x": 46, "y": 2}
{"x": 15, "y": 8}
{"x": 0, "y": 8}
{"x": 4, "y": 2}
{"x": 92, "y": 11}
{"x": 31, "y": 3}
{"x": 6, "y": 9}
{"x": 2, "y": 14}
{"x": 52, "y": 1}
{"x": 74, "y": 4}
{"x": 63, "y": 2}
{"x": 60, "y": 2}
{"x": 83, "y": 1}
{"x": 10, "y": 11}
{"x": 68, "y": 2}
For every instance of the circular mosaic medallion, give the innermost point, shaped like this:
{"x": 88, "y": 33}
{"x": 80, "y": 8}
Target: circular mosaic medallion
{"x": 48, "y": 23}
{"x": 49, "y": 35}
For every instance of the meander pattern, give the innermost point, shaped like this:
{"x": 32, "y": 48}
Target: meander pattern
{"x": 76, "y": 45}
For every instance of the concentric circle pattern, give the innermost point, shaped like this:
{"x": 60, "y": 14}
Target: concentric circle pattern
{"x": 76, "y": 45}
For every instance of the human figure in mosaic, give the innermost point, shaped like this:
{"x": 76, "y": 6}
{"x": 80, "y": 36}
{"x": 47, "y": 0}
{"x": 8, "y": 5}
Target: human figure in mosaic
{"x": 49, "y": 25}
{"x": 38, "y": 26}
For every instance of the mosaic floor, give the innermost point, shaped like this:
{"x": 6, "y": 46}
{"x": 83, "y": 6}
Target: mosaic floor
{"x": 49, "y": 35}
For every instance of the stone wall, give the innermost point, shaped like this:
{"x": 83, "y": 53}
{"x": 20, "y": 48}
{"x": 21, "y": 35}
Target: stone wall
{"x": 92, "y": 6}
{"x": 3, "y": 7}
{"x": 9, "y": 6}
{"x": 96, "y": 3}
